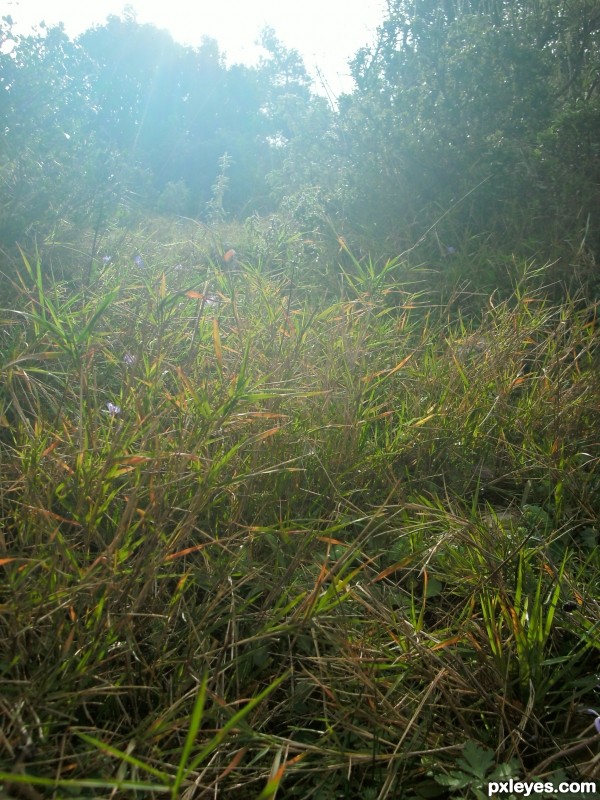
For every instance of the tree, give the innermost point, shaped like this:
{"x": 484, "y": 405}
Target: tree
{"x": 487, "y": 107}
{"x": 47, "y": 134}
{"x": 177, "y": 110}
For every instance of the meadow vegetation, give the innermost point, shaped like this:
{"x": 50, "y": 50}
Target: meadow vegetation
{"x": 260, "y": 534}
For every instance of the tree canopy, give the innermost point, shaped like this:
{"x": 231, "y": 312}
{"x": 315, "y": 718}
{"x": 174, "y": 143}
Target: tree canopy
{"x": 127, "y": 110}
{"x": 489, "y": 104}
{"x": 481, "y": 117}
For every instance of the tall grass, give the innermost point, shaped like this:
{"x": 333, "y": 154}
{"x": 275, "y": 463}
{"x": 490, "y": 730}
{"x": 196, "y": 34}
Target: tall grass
{"x": 257, "y": 542}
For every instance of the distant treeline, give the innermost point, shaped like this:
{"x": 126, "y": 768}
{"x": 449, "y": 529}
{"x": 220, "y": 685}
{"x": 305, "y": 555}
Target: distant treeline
{"x": 478, "y": 117}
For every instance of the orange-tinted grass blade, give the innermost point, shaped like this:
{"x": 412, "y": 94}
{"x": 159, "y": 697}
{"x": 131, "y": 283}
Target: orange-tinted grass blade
{"x": 185, "y": 552}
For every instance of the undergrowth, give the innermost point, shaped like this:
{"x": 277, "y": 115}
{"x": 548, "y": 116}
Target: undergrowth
{"x": 262, "y": 539}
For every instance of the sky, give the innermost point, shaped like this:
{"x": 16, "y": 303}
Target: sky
{"x": 327, "y": 33}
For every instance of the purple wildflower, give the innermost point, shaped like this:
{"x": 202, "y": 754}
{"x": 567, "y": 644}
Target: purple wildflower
{"x": 595, "y": 714}
{"x": 106, "y": 260}
{"x": 138, "y": 261}
{"x": 112, "y": 409}
{"x": 129, "y": 359}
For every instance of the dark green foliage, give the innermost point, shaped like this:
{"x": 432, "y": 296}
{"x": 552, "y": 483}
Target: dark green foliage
{"x": 53, "y": 167}
{"x": 481, "y": 117}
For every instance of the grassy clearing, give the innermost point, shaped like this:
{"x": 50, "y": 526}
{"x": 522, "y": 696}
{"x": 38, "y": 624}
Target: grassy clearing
{"x": 262, "y": 539}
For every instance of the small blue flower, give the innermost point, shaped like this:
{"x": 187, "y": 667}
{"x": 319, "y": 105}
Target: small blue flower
{"x": 595, "y": 714}
{"x": 106, "y": 260}
{"x": 112, "y": 409}
{"x": 450, "y": 251}
{"x": 129, "y": 359}
{"x": 138, "y": 261}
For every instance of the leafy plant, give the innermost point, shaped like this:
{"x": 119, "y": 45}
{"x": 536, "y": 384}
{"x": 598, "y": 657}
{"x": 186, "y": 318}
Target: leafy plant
{"x": 474, "y": 771}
